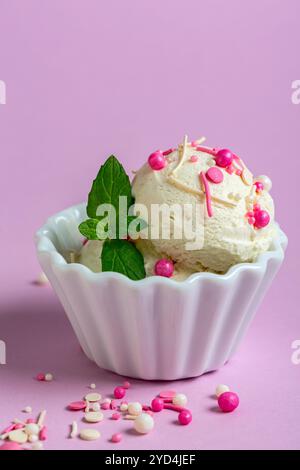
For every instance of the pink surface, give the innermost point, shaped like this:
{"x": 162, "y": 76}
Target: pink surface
{"x": 85, "y": 79}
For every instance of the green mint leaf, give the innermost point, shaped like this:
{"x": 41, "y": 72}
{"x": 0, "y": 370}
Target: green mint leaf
{"x": 94, "y": 229}
{"x": 122, "y": 256}
{"x": 110, "y": 183}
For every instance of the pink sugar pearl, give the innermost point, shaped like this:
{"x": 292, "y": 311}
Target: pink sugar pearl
{"x": 116, "y": 437}
{"x": 157, "y": 160}
{"x": 164, "y": 267}
{"x": 185, "y": 417}
{"x": 157, "y": 404}
{"x": 228, "y": 401}
{"x": 40, "y": 377}
{"x": 224, "y": 158}
{"x": 119, "y": 392}
{"x": 259, "y": 186}
{"x": 126, "y": 384}
{"x": 105, "y": 406}
{"x": 262, "y": 218}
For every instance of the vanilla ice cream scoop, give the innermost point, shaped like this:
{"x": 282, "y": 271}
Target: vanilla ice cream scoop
{"x": 235, "y": 219}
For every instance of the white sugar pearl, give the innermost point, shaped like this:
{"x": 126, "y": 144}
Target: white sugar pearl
{"x": 123, "y": 407}
{"x": 42, "y": 279}
{"x": 93, "y": 386}
{"x": 33, "y": 438}
{"x": 48, "y": 377}
{"x": 180, "y": 399}
{"x": 266, "y": 181}
{"x": 221, "y": 389}
{"x": 32, "y": 428}
{"x": 143, "y": 423}
{"x": 135, "y": 408}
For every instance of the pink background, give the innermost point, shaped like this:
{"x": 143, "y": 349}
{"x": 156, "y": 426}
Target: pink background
{"x": 89, "y": 78}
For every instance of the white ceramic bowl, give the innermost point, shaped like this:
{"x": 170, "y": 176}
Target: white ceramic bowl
{"x": 155, "y": 328}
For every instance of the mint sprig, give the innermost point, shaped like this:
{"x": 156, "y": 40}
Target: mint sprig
{"x": 122, "y": 256}
{"x": 118, "y": 255}
{"x": 110, "y": 183}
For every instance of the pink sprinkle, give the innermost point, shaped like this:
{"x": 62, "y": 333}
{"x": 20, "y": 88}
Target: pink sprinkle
{"x": 9, "y": 428}
{"x": 164, "y": 267}
{"x": 230, "y": 169}
{"x": 215, "y": 175}
{"x": 20, "y": 425}
{"x": 167, "y": 394}
{"x": 105, "y": 406}
{"x": 228, "y": 401}
{"x": 167, "y": 152}
{"x": 185, "y": 417}
{"x": 157, "y": 404}
{"x": 126, "y": 385}
{"x": 207, "y": 193}
{"x": 43, "y": 434}
{"x": 113, "y": 405}
{"x": 115, "y": 416}
{"x": 193, "y": 158}
{"x": 119, "y": 392}
{"x": 10, "y": 446}
{"x": 116, "y": 437}
{"x": 201, "y": 148}
{"x": 238, "y": 172}
{"x": 173, "y": 407}
{"x": 259, "y": 186}
{"x": 40, "y": 377}
{"x": 77, "y": 405}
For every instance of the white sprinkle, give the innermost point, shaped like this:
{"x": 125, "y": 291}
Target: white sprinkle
{"x": 27, "y": 409}
{"x": 106, "y": 400}
{"x": 33, "y": 438}
{"x": 123, "y": 407}
{"x": 89, "y": 434}
{"x": 74, "y": 430}
{"x": 41, "y": 418}
{"x": 93, "y": 397}
{"x": 18, "y": 436}
{"x": 37, "y": 446}
{"x": 130, "y": 417}
{"x": 93, "y": 416}
{"x": 93, "y": 386}
{"x": 95, "y": 406}
{"x": 48, "y": 377}
{"x": 42, "y": 279}
{"x": 135, "y": 408}
{"x": 221, "y": 388}
{"x": 32, "y": 428}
